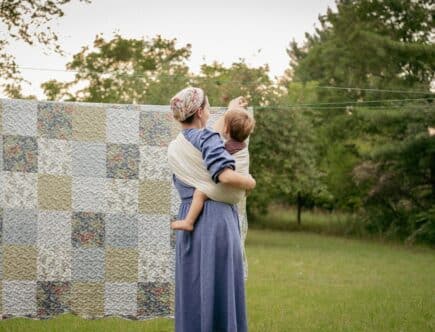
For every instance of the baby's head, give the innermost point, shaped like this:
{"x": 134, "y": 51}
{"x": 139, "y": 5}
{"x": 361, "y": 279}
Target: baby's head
{"x": 238, "y": 124}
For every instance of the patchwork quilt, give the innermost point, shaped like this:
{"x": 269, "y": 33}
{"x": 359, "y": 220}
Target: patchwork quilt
{"x": 86, "y": 200}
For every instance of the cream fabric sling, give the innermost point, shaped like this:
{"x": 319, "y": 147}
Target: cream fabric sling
{"x": 185, "y": 161}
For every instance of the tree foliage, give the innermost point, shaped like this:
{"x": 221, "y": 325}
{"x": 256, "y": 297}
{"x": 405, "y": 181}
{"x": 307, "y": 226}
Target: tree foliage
{"x": 224, "y": 83}
{"x": 396, "y": 180}
{"x": 283, "y": 159}
{"x": 26, "y": 21}
{"x": 369, "y": 43}
{"x": 123, "y": 70}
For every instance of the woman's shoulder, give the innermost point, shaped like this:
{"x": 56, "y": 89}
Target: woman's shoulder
{"x": 202, "y": 137}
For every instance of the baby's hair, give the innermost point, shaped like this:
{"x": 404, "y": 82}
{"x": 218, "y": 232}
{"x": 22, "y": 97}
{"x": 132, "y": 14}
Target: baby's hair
{"x": 239, "y": 124}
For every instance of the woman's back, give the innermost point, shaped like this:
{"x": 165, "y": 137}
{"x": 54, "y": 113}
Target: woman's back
{"x": 209, "y": 285}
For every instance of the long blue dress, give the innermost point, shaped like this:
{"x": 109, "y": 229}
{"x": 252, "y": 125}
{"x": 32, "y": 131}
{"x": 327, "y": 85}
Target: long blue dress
{"x": 209, "y": 284}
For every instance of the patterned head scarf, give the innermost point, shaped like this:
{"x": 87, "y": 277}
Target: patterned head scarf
{"x": 186, "y": 102}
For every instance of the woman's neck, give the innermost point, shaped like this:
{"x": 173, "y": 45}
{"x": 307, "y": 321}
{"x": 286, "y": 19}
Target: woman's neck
{"x": 194, "y": 124}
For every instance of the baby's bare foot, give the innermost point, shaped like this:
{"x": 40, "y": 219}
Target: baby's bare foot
{"x": 182, "y": 225}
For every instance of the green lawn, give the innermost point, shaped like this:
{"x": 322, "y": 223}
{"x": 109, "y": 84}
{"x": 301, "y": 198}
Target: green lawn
{"x": 309, "y": 282}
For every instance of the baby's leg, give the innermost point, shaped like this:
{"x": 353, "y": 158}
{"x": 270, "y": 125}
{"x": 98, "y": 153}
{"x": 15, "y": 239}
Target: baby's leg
{"x": 195, "y": 209}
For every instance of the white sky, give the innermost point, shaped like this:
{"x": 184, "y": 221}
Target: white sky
{"x": 257, "y": 30}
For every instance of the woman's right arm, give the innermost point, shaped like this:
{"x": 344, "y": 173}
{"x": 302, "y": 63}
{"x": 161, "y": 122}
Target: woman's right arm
{"x": 234, "y": 179}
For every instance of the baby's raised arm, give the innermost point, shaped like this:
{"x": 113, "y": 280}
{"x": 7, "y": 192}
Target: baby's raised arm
{"x": 239, "y": 102}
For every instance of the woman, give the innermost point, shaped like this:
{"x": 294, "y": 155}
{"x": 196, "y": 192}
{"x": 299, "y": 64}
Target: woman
{"x": 209, "y": 283}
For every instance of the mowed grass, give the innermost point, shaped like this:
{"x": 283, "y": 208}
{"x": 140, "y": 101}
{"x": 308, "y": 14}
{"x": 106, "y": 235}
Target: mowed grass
{"x": 310, "y": 282}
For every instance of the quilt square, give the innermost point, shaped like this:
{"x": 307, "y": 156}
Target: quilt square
{"x": 54, "y": 156}
{"x": 55, "y": 120}
{"x": 121, "y": 265}
{"x": 1, "y": 151}
{"x": 175, "y": 202}
{"x": 1, "y": 117}
{"x": 20, "y": 154}
{"x": 19, "y": 298}
{"x": 20, "y": 190}
{"x": 54, "y": 192}
{"x": 54, "y": 262}
{"x": 172, "y": 238}
{"x": 87, "y": 264}
{"x": 121, "y": 230}
{"x": 87, "y": 229}
{"x": 153, "y": 163}
{"x": 87, "y": 299}
{"x": 52, "y": 298}
{"x": 19, "y": 117}
{"x": 2, "y": 186}
{"x": 89, "y": 123}
{"x": 122, "y": 126}
{"x": 154, "y": 196}
{"x": 122, "y": 161}
{"x": 120, "y": 299}
{"x": 155, "y": 127}
{"x": 122, "y": 195}
{"x": 89, "y": 194}
{"x": 1, "y": 230}
{"x": 19, "y": 262}
{"x": 54, "y": 228}
{"x": 156, "y": 265}
{"x": 88, "y": 159}
{"x": 154, "y": 298}
{"x": 154, "y": 231}
{"x": 20, "y": 226}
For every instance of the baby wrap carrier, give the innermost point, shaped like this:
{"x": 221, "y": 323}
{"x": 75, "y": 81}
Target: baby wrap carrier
{"x": 186, "y": 162}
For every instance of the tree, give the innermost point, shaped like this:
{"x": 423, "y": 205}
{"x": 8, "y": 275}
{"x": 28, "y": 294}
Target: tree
{"x": 26, "y": 21}
{"x": 397, "y": 178}
{"x": 371, "y": 44}
{"x": 125, "y": 71}
{"x": 225, "y": 83}
{"x": 283, "y": 160}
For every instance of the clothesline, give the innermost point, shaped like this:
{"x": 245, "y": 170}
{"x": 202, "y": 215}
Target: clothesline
{"x": 228, "y": 80}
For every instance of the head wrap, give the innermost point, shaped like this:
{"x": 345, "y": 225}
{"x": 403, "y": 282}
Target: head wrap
{"x": 186, "y": 102}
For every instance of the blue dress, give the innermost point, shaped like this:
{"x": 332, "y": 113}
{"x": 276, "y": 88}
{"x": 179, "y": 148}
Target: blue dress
{"x": 209, "y": 283}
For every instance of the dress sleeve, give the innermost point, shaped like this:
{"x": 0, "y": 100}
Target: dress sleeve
{"x": 215, "y": 157}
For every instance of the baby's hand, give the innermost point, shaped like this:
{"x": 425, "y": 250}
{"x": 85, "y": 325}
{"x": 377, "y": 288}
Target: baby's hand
{"x": 251, "y": 183}
{"x": 239, "y": 102}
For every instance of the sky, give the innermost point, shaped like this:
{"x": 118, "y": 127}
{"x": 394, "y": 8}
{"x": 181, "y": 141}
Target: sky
{"x": 258, "y": 31}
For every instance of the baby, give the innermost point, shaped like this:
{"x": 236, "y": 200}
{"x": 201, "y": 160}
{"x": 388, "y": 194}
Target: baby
{"x": 236, "y": 125}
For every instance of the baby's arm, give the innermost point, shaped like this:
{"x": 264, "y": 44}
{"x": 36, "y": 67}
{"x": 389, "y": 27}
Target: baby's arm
{"x": 239, "y": 102}
{"x": 232, "y": 178}
{"x": 194, "y": 211}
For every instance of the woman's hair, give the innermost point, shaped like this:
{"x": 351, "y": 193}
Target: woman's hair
{"x": 239, "y": 124}
{"x": 190, "y": 119}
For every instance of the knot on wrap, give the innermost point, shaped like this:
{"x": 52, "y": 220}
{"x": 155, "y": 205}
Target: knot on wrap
{"x": 186, "y": 102}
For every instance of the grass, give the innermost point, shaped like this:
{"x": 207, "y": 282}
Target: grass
{"x": 311, "y": 282}
{"x": 284, "y": 218}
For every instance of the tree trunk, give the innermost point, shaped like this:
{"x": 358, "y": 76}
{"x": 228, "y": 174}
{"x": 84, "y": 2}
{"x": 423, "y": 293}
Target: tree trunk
{"x": 299, "y": 200}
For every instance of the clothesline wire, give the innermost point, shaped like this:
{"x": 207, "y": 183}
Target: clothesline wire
{"x": 226, "y": 80}
{"x": 272, "y": 107}
{"x": 361, "y": 103}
